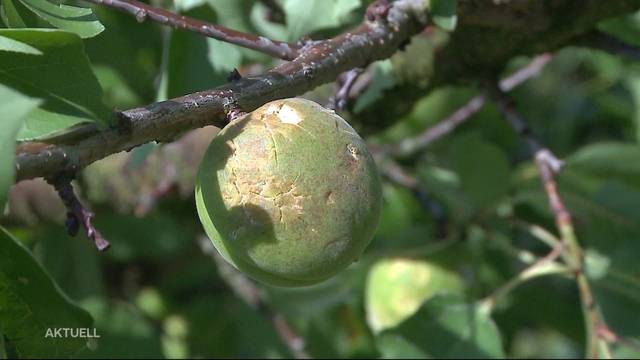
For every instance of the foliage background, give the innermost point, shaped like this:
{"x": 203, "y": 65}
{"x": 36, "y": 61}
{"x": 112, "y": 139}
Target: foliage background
{"x": 161, "y": 291}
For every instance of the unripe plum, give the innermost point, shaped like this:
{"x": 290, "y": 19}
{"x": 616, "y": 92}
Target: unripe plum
{"x": 289, "y": 193}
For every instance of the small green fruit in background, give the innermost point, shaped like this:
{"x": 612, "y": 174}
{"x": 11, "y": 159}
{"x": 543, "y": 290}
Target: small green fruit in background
{"x": 289, "y": 193}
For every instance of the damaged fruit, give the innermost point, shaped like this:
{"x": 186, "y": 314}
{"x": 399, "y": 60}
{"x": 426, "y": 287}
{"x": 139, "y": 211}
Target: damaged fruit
{"x": 289, "y": 193}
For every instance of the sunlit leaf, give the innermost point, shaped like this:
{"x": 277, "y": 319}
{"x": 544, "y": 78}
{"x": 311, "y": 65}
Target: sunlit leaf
{"x": 81, "y": 21}
{"x": 15, "y": 107}
{"x": 61, "y": 76}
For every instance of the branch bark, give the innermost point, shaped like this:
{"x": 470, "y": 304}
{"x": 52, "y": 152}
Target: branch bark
{"x": 318, "y": 63}
{"x": 470, "y": 50}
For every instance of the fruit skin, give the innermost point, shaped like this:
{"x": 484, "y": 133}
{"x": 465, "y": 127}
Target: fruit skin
{"x": 289, "y": 193}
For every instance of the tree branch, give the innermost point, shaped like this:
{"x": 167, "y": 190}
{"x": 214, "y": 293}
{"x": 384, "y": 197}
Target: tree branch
{"x": 548, "y": 167}
{"x": 142, "y": 12}
{"x": 345, "y": 83}
{"x": 414, "y": 144}
{"x": 77, "y": 214}
{"x": 318, "y": 63}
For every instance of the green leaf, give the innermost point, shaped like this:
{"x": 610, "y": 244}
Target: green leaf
{"x": 224, "y": 57}
{"x": 483, "y": 169}
{"x": 627, "y": 28}
{"x": 445, "y": 326}
{"x": 124, "y": 331}
{"x": 383, "y": 79}
{"x": 612, "y": 249}
{"x": 81, "y": 21}
{"x": 609, "y": 159}
{"x": 197, "y": 63}
{"x": 15, "y": 15}
{"x": 305, "y": 17}
{"x": 61, "y": 77}
{"x": 261, "y": 22}
{"x": 8, "y": 44}
{"x": 397, "y": 287}
{"x": 15, "y": 106}
{"x": 233, "y": 14}
{"x": 186, "y": 5}
{"x": 443, "y": 13}
{"x": 634, "y": 88}
{"x": 31, "y": 303}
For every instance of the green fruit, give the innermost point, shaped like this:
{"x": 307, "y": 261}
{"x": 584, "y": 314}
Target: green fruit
{"x": 289, "y": 193}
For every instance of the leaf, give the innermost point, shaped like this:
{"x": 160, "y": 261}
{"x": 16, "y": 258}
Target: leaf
{"x": 15, "y": 106}
{"x": 139, "y": 50}
{"x": 196, "y": 63}
{"x": 397, "y": 287}
{"x": 634, "y": 88}
{"x": 483, "y": 169}
{"x": 186, "y": 5}
{"x": 124, "y": 331}
{"x": 627, "y": 27}
{"x": 305, "y": 17}
{"x": 159, "y": 235}
{"x": 444, "y": 327}
{"x": 443, "y": 13}
{"x": 8, "y": 44}
{"x": 261, "y": 22}
{"x": 81, "y": 21}
{"x": 612, "y": 254}
{"x": 61, "y": 77}
{"x": 237, "y": 332}
{"x": 233, "y": 14}
{"x": 609, "y": 159}
{"x": 15, "y": 15}
{"x": 383, "y": 79}
{"x": 31, "y": 303}
{"x": 224, "y": 57}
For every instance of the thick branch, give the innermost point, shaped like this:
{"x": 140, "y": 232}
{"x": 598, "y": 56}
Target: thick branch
{"x": 142, "y": 12}
{"x": 319, "y": 62}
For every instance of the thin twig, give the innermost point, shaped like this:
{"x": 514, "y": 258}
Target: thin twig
{"x": 539, "y": 233}
{"x": 345, "y": 83}
{"x": 77, "y": 214}
{"x": 414, "y": 144}
{"x": 548, "y": 166}
{"x": 142, "y": 12}
{"x": 542, "y": 267}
